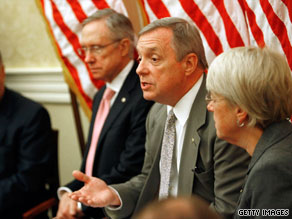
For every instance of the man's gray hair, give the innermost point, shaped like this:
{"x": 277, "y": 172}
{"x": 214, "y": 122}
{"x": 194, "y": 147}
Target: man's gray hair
{"x": 186, "y": 37}
{"x": 119, "y": 25}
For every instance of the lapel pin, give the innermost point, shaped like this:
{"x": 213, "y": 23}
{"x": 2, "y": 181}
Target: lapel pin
{"x": 123, "y": 99}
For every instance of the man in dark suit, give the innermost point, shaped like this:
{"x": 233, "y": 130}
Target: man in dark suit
{"x": 171, "y": 70}
{"x": 26, "y": 152}
{"x": 107, "y": 46}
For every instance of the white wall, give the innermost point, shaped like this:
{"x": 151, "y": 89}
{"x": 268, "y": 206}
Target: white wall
{"x": 69, "y": 151}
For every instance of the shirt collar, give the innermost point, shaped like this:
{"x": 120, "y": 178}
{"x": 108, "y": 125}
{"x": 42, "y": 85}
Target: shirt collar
{"x": 118, "y": 81}
{"x": 183, "y": 107}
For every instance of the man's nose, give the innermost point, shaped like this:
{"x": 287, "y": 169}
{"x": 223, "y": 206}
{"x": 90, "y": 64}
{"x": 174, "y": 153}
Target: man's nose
{"x": 141, "y": 69}
{"x": 89, "y": 57}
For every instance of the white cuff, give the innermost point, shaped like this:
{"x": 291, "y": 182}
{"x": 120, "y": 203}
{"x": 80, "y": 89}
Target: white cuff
{"x": 115, "y": 208}
{"x": 79, "y": 205}
{"x": 62, "y": 190}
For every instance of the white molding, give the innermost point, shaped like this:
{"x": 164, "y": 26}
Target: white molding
{"x": 45, "y": 85}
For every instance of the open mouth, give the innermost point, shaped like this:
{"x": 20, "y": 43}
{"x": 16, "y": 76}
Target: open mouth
{"x": 145, "y": 85}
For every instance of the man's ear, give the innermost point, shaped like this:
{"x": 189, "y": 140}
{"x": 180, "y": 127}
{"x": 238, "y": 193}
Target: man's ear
{"x": 125, "y": 46}
{"x": 190, "y": 63}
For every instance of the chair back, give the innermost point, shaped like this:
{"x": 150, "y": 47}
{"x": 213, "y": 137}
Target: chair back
{"x": 53, "y": 181}
{"x": 52, "y": 184}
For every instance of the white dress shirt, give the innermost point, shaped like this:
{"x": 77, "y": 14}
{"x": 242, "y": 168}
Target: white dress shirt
{"x": 182, "y": 111}
{"x": 117, "y": 83}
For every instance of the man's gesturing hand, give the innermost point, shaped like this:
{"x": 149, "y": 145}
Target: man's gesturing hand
{"x": 95, "y": 192}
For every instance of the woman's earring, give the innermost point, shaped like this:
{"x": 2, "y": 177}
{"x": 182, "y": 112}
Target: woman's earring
{"x": 239, "y": 125}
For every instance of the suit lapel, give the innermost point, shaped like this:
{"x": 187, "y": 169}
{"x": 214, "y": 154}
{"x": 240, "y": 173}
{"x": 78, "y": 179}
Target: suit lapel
{"x": 192, "y": 140}
{"x": 120, "y": 102}
{"x": 158, "y": 135}
{"x": 151, "y": 187}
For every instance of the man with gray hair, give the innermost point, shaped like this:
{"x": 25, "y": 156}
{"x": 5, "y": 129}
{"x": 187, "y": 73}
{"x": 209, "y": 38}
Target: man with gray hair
{"x": 183, "y": 154}
{"x": 115, "y": 146}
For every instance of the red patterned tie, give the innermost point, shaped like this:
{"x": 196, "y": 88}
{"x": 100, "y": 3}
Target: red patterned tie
{"x": 101, "y": 115}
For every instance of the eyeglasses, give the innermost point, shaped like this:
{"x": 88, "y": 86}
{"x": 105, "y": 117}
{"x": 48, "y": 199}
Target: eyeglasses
{"x": 95, "y": 49}
{"x": 210, "y": 99}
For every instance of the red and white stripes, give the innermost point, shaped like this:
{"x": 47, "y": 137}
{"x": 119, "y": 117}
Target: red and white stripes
{"x": 225, "y": 24}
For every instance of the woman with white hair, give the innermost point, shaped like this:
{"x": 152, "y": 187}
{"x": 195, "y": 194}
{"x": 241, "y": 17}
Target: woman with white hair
{"x": 250, "y": 94}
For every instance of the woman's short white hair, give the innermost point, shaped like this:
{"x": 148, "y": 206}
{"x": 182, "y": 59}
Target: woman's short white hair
{"x": 258, "y": 80}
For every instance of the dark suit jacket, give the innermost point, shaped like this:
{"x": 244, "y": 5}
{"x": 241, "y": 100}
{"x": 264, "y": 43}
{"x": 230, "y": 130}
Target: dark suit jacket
{"x": 25, "y": 154}
{"x": 120, "y": 151}
{"x": 269, "y": 178}
{"x": 209, "y": 167}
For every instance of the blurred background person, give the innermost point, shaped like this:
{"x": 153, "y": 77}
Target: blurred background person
{"x": 250, "y": 94}
{"x": 115, "y": 144}
{"x": 26, "y": 151}
{"x": 178, "y": 208}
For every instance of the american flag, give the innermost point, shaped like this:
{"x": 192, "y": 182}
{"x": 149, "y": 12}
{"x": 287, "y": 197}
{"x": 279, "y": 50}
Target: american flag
{"x": 223, "y": 24}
